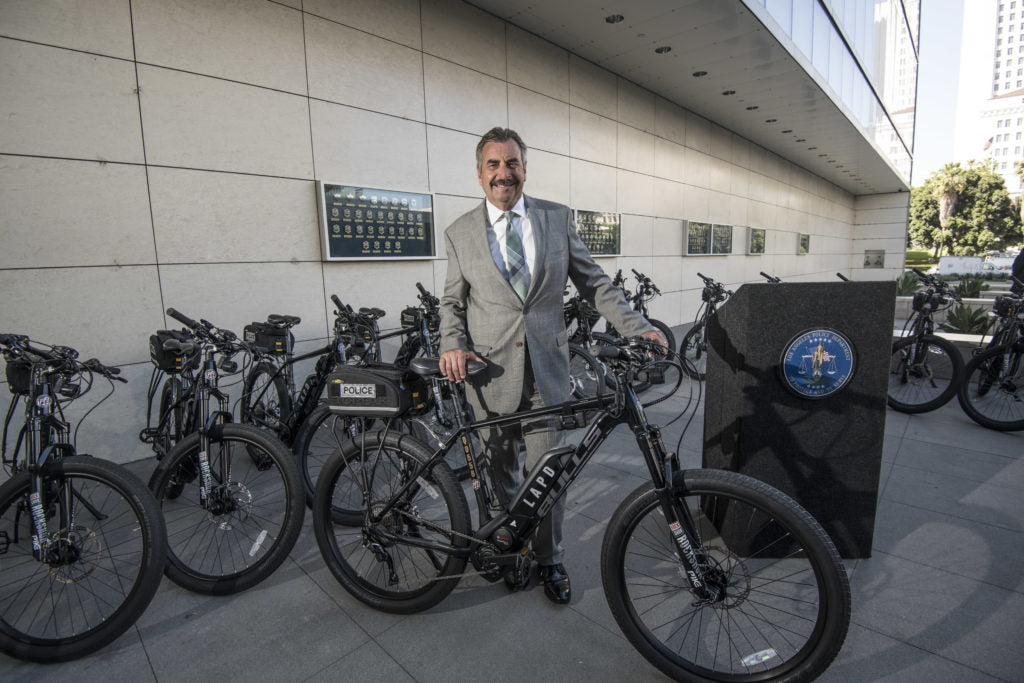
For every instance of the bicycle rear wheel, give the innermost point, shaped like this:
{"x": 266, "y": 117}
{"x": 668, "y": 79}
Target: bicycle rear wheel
{"x": 236, "y": 536}
{"x": 172, "y": 417}
{"x": 924, "y": 373}
{"x": 388, "y": 564}
{"x": 265, "y": 399}
{"x": 693, "y": 351}
{"x": 586, "y": 375}
{"x": 992, "y": 393}
{"x": 783, "y": 607}
{"x": 106, "y": 559}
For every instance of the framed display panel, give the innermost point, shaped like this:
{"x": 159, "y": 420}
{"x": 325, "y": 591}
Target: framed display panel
{"x": 803, "y": 245}
{"x": 756, "y": 240}
{"x": 705, "y": 238}
{"x": 365, "y": 223}
{"x": 721, "y": 239}
{"x": 874, "y": 258}
{"x": 600, "y": 231}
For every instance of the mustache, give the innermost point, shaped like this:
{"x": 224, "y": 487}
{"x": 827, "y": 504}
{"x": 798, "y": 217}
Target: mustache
{"x": 509, "y": 182}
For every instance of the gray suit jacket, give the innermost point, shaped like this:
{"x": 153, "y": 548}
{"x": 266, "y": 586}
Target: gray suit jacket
{"x": 480, "y": 311}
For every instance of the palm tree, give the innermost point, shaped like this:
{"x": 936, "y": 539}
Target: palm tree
{"x": 950, "y": 181}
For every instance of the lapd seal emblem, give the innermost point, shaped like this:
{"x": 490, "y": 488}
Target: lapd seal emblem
{"x": 817, "y": 363}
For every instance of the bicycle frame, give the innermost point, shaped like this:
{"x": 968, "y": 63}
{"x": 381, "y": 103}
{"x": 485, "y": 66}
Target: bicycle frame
{"x": 551, "y": 476}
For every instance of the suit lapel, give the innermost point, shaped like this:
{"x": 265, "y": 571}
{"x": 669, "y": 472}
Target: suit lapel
{"x": 478, "y": 240}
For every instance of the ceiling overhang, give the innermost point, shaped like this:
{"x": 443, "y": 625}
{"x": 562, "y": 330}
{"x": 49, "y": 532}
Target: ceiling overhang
{"x": 773, "y": 100}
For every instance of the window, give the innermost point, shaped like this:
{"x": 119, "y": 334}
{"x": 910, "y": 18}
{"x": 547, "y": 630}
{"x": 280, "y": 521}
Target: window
{"x": 704, "y": 238}
{"x": 1018, "y": 136}
{"x": 999, "y": 123}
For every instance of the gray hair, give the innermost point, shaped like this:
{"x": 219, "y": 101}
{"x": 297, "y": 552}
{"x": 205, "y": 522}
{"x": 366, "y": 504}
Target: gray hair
{"x": 498, "y": 134}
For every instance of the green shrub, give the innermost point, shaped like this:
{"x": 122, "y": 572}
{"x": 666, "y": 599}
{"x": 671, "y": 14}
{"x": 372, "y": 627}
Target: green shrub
{"x": 966, "y": 320}
{"x": 907, "y": 284}
{"x": 970, "y": 286}
{"x": 918, "y": 258}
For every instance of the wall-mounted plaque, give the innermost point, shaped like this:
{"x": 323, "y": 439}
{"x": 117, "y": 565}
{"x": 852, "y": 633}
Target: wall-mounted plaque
{"x": 698, "y": 238}
{"x": 804, "y": 244}
{"x": 600, "y": 231}
{"x": 756, "y": 241}
{"x": 366, "y": 223}
{"x": 705, "y": 238}
{"x": 874, "y": 258}
{"x": 721, "y": 239}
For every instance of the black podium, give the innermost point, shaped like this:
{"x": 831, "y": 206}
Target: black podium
{"x": 797, "y": 375}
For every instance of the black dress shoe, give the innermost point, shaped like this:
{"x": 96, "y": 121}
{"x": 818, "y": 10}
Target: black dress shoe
{"x": 556, "y": 583}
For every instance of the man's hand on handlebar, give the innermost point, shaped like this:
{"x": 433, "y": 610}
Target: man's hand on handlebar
{"x": 453, "y": 363}
{"x": 657, "y": 337}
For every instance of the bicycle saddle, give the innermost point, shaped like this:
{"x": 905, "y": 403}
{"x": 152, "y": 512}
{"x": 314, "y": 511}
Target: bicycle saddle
{"x": 283, "y": 320}
{"x": 373, "y": 313}
{"x": 184, "y": 348}
{"x": 428, "y": 367}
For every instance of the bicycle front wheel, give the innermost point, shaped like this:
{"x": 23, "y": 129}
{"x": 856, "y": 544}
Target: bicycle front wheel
{"x": 103, "y": 566}
{"x": 993, "y": 390}
{"x": 665, "y": 330}
{"x": 924, "y": 373}
{"x": 229, "y": 530}
{"x": 393, "y": 563}
{"x": 783, "y": 604}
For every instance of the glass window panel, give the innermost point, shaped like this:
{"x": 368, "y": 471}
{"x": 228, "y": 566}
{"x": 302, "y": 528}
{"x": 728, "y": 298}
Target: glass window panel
{"x": 782, "y": 12}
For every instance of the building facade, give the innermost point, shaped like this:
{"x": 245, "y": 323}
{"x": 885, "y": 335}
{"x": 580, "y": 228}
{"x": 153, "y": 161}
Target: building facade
{"x": 162, "y": 153}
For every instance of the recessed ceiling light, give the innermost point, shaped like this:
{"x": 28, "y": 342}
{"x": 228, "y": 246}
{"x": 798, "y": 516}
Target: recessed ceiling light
{"x": 786, "y": 131}
{"x": 822, "y": 155}
{"x": 698, "y": 74}
{"x": 663, "y": 49}
{"x": 810, "y": 148}
{"x": 801, "y": 139}
{"x": 614, "y": 18}
{"x": 770, "y": 120}
{"x": 752, "y": 107}
{"x": 729, "y": 92}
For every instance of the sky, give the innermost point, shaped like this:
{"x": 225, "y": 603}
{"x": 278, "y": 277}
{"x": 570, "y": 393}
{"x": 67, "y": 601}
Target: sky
{"x": 938, "y": 84}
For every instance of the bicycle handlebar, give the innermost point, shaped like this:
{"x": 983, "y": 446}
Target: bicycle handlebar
{"x": 183, "y": 319}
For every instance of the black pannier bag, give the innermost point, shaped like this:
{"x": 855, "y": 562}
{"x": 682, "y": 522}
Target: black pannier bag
{"x": 270, "y": 338}
{"x": 19, "y": 376}
{"x": 374, "y": 391}
{"x": 166, "y": 360}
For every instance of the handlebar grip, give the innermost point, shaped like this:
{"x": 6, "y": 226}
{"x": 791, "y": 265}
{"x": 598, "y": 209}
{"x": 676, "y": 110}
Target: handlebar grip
{"x": 421, "y": 289}
{"x": 182, "y": 318}
{"x": 337, "y": 302}
{"x": 842, "y": 277}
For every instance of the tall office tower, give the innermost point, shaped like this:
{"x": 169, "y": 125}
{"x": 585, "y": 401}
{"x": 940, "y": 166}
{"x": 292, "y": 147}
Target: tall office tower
{"x": 1002, "y": 114}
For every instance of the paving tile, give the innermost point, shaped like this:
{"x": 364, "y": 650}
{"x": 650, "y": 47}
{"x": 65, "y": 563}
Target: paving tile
{"x": 982, "y": 502}
{"x": 369, "y": 662}
{"x": 871, "y": 656}
{"x": 956, "y": 617}
{"x": 983, "y": 552}
{"x": 242, "y": 634}
{"x": 995, "y": 468}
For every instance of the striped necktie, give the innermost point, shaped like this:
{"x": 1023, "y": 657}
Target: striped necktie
{"x": 515, "y": 259}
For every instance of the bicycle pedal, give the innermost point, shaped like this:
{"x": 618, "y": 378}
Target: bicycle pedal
{"x": 518, "y": 576}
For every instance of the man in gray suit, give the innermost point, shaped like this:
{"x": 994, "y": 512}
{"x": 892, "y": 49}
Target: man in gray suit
{"x": 509, "y": 261}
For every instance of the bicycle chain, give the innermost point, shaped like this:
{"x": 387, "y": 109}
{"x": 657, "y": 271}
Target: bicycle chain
{"x": 446, "y": 531}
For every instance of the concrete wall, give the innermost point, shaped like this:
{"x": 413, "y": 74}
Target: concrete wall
{"x": 161, "y": 153}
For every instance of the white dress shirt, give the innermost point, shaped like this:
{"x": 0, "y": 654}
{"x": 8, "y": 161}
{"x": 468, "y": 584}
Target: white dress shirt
{"x": 496, "y": 236}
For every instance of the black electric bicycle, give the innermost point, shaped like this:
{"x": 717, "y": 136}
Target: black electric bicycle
{"x": 992, "y": 393}
{"x": 646, "y": 290}
{"x": 231, "y": 494}
{"x": 710, "y": 574}
{"x": 431, "y": 419}
{"x": 925, "y": 370}
{"x": 82, "y": 542}
{"x": 694, "y": 347}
